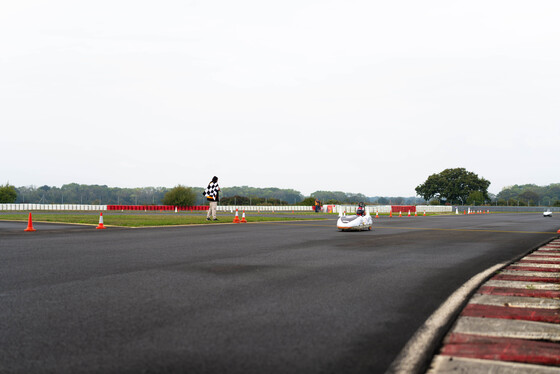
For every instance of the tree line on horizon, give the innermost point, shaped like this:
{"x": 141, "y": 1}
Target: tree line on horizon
{"x": 73, "y": 193}
{"x": 530, "y": 194}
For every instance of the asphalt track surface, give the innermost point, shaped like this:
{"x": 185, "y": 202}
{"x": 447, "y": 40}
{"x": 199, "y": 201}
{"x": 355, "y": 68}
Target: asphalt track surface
{"x": 297, "y": 297}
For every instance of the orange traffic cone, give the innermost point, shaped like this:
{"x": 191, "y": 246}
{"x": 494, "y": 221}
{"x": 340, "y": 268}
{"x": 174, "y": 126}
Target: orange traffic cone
{"x": 391, "y": 213}
{"x": 101, "y": 222}
{"x": 236, "y": 219}
{"x": 29, "y": 224}
{"x": 243, "y": 220}
{"x": 424, "y": 213}
{"x": 377, "y": 214}
{"x": 400, "y": 213}
{"x": 409, "y": 213}
{"x": 415, "y": 214}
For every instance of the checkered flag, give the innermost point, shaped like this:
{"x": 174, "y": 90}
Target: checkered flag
{"x": 211, "y": 192}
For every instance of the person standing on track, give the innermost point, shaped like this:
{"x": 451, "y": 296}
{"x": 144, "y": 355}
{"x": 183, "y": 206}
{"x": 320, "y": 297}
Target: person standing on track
{"x": 212, "y": 194}
{"x": 317, "y": 206}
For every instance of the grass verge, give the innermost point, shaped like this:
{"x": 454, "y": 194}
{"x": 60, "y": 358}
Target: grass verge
{"x": 141, "y": 220}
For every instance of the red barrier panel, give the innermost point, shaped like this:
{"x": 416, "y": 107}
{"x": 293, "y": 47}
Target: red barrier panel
{"x": 403, "y": 208}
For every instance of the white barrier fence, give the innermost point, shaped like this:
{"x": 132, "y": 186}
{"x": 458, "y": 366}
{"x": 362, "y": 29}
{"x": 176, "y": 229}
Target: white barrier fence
{"x": 332, "y": 208}
{"x": 387, "y": 208}
{"x": 257, "y": 208}
{"x": 52, "y": 207}
{"x": 231, "y": 208}
{"x": 434, "y": 208}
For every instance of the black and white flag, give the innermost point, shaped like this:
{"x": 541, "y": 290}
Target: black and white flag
{"x": 211, "y": 192}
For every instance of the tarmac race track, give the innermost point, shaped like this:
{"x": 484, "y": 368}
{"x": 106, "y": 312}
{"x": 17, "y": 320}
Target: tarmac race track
{"x": 296, "y": 297}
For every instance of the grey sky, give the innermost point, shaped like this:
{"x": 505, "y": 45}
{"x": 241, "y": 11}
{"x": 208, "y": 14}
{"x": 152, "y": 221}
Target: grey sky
{"x": 356, "y": 96}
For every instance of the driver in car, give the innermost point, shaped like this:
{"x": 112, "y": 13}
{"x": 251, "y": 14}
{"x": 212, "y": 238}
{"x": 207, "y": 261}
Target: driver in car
{"x": 361, "y": 211}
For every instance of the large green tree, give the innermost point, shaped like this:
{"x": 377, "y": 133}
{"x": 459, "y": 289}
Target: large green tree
{"x": 180, "y": 196}
{"x": 453, "y": 186}
{"x": 8, "y": 194}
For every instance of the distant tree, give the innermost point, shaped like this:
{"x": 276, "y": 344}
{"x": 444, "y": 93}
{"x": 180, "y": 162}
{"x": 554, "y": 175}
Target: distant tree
{"x": 308, "y": 201}
{"x": 330, "y": 195}
{"x": 236, "y": 200}
{"x": 532, "y": 193}
{"x": 383, "y": 201}
{"x": 356, "y": 198}
{"x": 529, "y": 196}
{"x": 453, "y": 186}
{"x": 244, "y": 200}
{"x": 8, "y": 194}
{"x": 332, "y": 202}
{"x": 271, "y": 201}
{"x": 512, "y": 202}
{"x": 397, "y": 200}
{"x": 270, "y": 193}
{"x": 341, "y": 197}
{"x": 475, "y": 198}
{"x": 180, "y": 196}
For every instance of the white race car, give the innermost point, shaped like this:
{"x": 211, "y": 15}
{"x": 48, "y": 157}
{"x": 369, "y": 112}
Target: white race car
{"x": 547, "y": 213}
{"x": 360, "y": 221}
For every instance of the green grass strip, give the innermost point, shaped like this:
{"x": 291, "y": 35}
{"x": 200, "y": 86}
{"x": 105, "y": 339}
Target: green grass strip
{"x": 143, "y": 220}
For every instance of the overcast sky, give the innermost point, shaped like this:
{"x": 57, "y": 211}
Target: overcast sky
{"x": 353, "y": 96}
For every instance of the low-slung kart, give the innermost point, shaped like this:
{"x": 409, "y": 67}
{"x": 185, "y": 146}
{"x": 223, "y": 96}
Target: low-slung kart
{"x": 358, "y": 222}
